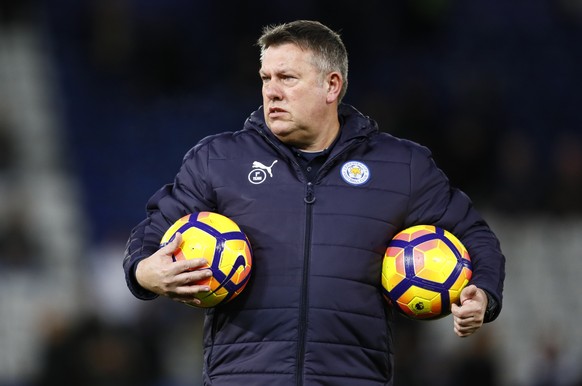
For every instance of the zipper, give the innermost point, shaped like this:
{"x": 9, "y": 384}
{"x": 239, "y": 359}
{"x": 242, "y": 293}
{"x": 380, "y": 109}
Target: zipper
{"x": 309, "y": 200}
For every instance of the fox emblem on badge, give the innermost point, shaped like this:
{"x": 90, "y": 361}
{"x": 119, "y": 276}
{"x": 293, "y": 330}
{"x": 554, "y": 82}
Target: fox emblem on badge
{"x": 355, "y": 173}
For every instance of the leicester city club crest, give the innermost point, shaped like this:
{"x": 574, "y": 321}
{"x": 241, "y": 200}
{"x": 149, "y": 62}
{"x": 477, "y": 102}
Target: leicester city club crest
{"x": 355, "y": 173}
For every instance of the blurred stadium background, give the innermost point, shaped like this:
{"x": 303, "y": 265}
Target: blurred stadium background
{"x": 100, "y": 99}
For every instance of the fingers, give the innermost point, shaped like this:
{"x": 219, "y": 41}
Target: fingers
{"x": 197, "y": 278}
{"x": 464, "y": 331}
{"x": 186, "y": 277}
{"x": 180, "y": 280}
{"x": 469, "y": 316}
{"x": 466, "y": 321}
{"x": 189, "y": 284}
{"x": 192, "y": 264}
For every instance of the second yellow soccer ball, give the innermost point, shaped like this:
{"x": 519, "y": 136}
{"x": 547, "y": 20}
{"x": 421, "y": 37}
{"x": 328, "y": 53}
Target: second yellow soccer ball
{"x": 424, "y": 270}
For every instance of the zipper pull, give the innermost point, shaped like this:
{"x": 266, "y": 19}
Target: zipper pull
{"x": 309, "y": 195}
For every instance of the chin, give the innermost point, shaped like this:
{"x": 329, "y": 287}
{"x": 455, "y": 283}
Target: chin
{"x": 286, "y": 133}
{"x": 286, "y": 137}
{"x": 292, "y": 140}
{"x": 280, "y": 129}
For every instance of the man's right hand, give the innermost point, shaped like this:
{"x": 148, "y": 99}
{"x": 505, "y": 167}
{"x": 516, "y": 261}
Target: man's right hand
{"x": 177, "y": 280}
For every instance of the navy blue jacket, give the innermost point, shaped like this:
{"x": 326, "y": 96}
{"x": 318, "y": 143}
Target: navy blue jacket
{"x": 313, "y": 312}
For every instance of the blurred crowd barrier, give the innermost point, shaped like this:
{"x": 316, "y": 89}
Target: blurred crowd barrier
{"x": 84, "y": 328}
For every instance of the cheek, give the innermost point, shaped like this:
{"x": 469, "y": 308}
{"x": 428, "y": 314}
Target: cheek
{"x": 314, "y": 100}
{"x": 309, "y": 98}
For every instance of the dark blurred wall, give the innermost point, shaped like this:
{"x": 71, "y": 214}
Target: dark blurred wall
{"x": 490, "y": 86}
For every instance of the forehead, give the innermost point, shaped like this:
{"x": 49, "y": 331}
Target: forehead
{"x": 286, "y": 56}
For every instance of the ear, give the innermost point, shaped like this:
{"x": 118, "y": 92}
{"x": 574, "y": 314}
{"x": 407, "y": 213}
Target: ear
{"x": 334, "y": 82}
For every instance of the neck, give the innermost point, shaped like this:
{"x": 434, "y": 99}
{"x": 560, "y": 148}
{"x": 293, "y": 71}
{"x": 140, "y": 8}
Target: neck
{"x": 324, "y": 140}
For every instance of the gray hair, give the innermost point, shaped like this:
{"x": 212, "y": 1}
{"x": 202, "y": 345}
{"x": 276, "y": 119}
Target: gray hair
{"x": 329, "y": 52}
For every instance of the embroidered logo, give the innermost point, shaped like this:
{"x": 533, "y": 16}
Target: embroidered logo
{"x": 259, "y": 172}
{"x": 355, "y": 173}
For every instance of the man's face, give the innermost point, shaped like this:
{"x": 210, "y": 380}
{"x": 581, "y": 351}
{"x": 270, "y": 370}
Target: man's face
{"x": 294, "y": 95}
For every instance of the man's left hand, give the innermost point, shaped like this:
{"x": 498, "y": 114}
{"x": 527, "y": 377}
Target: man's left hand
{"x": 468, "y": 317}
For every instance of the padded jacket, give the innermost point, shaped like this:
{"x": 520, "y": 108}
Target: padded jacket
{"x": 313, "y": 311}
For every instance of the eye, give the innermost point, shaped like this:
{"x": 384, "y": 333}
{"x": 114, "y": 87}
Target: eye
{"x": 288, "y": 78}
{"x": 265, "y": 78}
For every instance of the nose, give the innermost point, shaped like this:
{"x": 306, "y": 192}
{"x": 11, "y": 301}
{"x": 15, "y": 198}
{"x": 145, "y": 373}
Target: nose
{"x": 272, "y": 91}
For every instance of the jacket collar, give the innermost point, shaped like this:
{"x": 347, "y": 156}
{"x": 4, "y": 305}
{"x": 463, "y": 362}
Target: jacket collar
{"x": 353, "y": 124}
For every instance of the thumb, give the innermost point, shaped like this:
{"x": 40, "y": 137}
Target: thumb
{"x": 171, "y": 247}
{"x": 468, "y": 292}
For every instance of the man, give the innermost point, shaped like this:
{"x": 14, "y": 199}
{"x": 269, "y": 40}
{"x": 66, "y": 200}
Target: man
{"x": 319, "y": 222}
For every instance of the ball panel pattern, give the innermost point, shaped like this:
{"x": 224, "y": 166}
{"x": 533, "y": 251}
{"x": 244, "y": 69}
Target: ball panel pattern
{"x": 424, "y": 270}
{"x": 220, "y": 241}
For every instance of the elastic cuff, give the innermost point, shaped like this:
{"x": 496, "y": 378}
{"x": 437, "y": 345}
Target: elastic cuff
{"x": 137, "y": 290}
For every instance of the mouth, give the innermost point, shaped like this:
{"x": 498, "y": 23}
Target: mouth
{"x": 276, "y": 111}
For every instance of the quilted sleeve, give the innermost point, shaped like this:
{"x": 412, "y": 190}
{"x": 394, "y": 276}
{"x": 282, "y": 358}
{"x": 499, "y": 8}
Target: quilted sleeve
{"x": 434, "y": 201}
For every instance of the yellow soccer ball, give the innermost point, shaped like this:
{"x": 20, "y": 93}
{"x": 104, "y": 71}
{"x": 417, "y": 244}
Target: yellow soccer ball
{"x": 221, "y": 242}
{"x": 424, "y": 271}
